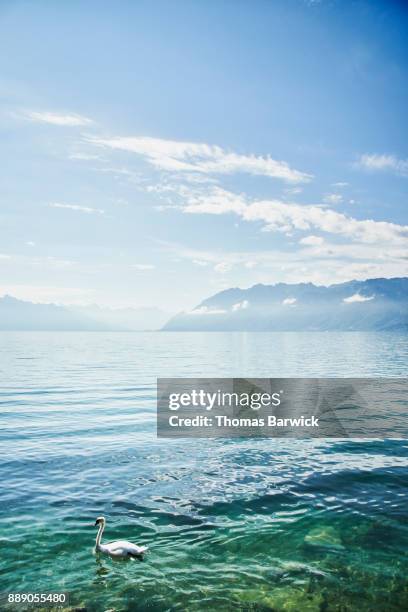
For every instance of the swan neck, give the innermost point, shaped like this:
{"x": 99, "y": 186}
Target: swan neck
{"x": 99, "y": 534}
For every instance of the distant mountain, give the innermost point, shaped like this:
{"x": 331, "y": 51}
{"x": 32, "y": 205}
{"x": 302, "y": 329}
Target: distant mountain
{"x": 20, "y": 315}
{"x": 370, "y": 305}
{"x": 136, "y": 319}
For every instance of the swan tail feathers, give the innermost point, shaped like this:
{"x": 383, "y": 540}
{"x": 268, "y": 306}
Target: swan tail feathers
{"x": 140, "y": 551}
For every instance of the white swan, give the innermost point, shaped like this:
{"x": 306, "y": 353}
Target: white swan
{"x": 120, "y": 548}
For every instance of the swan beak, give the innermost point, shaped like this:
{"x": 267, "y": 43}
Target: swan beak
{"x": 96, "y": 523}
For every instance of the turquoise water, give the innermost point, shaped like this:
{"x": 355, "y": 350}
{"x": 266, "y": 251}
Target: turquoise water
{"x": 231, "y": 525}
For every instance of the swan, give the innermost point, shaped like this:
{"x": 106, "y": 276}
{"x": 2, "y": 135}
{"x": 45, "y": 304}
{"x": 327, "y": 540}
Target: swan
{"x": 120, "y": 548}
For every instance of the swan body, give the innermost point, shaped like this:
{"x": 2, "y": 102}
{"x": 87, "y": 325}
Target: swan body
{"x": 120, "y": 548}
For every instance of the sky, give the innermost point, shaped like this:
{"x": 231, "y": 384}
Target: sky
{"x": 155, "y": 153}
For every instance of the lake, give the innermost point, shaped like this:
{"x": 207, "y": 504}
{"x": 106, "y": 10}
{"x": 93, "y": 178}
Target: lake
{"x": 315, "y": 525}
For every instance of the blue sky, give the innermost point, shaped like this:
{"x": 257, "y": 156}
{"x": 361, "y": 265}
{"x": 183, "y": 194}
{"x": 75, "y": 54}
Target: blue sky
{"x": 154, "y": 153}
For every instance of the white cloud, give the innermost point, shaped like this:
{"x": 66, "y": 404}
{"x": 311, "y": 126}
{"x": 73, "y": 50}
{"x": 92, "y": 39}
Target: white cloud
{"x": 279, "y": 216}
{"x": 312, "y": 240}
{"x": 30, "y": 243}
{"x": 358, "y": 298}
{"x": 216, "y": 201}
{"x": 340, "y": 184}
{"x": 289, "y": 301}
{"x": 323, "y": 265}
{"x": 375, "y": 162}
{"x": 333, "y": 198}
{"x": 223, "y": 267}
{"x": 4, "y": 256}
{"x": 68, "y": 120}
{"x": 201, "y": 158}
{"x": 143, "y": 267}
{"x": 205, "y": 310}
{"x": 240, "y": 306}
{"x": 84, "y": 209}
{"x": 250, "y": 264}
{"x": 200, "y": 262}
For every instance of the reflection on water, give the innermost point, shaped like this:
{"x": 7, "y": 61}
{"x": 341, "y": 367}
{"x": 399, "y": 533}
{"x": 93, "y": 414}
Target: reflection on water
{"x": 231, "y": 524}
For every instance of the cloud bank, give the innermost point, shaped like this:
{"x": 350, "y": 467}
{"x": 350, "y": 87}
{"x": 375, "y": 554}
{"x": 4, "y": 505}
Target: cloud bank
{"x": 279, "y": 216}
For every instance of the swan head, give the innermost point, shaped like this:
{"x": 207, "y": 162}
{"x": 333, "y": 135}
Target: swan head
{"x": 100, "y": 521}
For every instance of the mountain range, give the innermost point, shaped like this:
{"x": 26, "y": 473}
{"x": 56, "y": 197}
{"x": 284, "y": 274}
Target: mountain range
{"x": 21, "y": 315}
{"x": 371, "y": 305}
